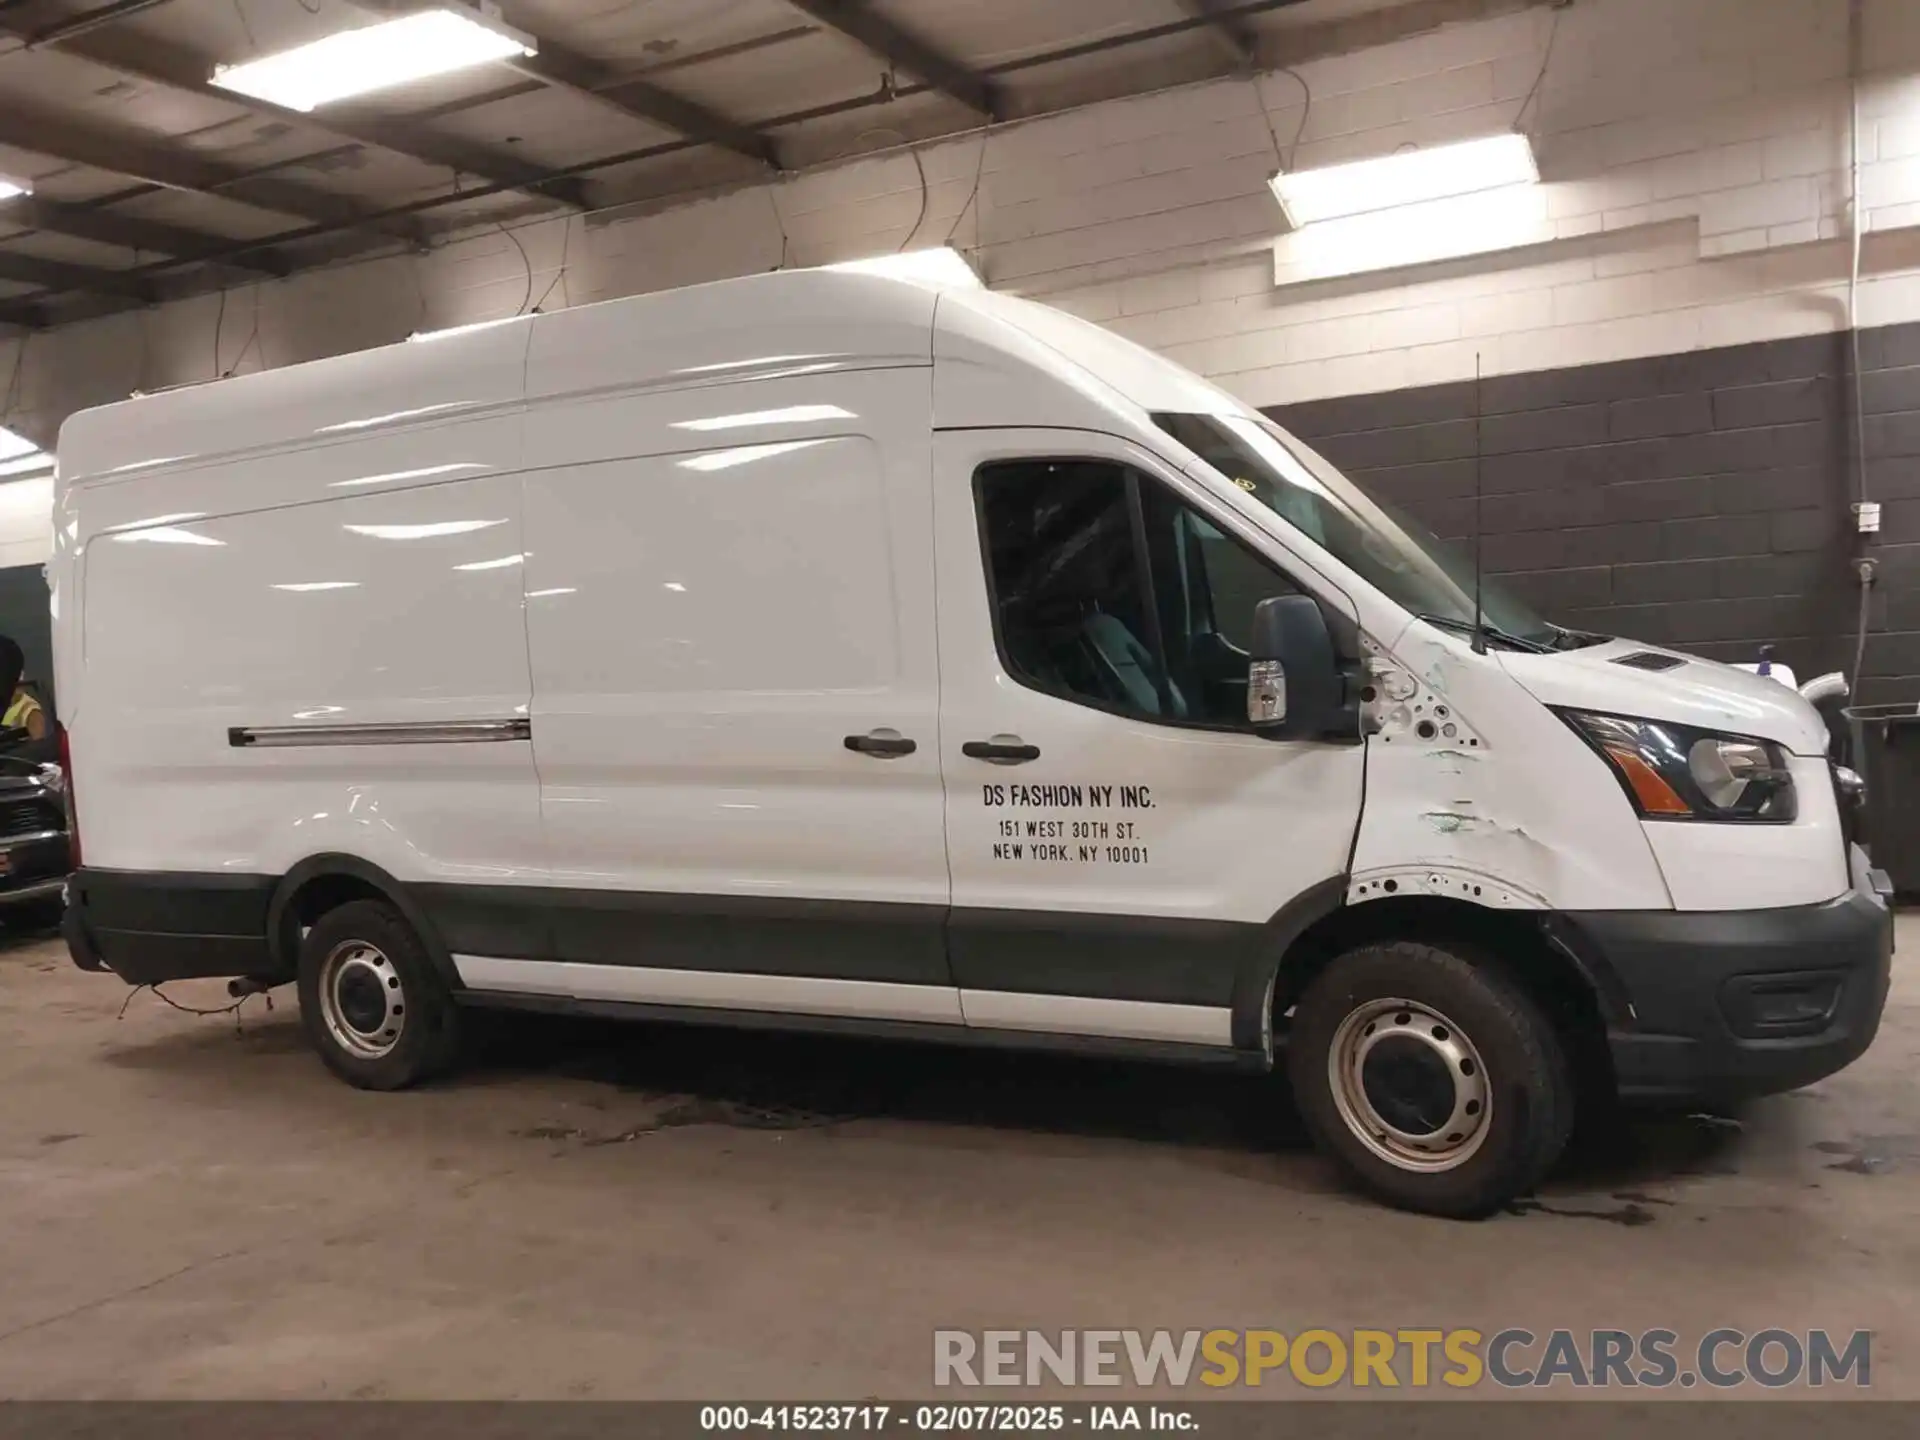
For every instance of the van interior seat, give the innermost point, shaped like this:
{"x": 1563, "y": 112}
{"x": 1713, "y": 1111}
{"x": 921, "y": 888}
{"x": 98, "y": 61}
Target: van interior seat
{"x": 1128, "y": 665}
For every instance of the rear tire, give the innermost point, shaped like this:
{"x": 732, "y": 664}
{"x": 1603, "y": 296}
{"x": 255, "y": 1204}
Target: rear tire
{"x": 371, "y": 1001}
{"x": 1434, "y": 1080}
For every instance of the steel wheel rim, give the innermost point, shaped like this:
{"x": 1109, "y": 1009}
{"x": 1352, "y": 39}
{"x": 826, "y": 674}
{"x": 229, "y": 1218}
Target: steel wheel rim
{"x": 362, "y": 1000}
{"x": 1385, "y": 1066}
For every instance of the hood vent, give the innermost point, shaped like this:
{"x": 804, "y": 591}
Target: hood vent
{"x": 1650, "y": 660}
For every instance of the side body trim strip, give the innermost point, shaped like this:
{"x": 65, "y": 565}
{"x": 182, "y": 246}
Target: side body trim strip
{"x": 416, "y": 732}
{"x": 859, "y": 999}
{"x": 717, "y": 989}
{"x": 1082, "y": 1015}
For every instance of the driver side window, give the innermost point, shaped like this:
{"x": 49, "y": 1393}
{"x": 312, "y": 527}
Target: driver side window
{"x": 1111, "y": 591}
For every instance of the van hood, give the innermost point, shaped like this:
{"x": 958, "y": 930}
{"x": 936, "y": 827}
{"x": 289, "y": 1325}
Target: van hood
{"x": 1623, "y": 677}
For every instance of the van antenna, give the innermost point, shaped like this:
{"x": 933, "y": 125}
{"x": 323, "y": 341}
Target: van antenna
{"x": 1479, "y": 568}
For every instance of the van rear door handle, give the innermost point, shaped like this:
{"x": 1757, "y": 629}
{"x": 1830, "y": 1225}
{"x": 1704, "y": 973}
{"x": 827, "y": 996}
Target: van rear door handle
{"x": 884, "y": 743}
{"x": 1004, "y": 752}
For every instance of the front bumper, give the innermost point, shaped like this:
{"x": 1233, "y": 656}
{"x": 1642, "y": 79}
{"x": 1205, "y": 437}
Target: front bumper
{"x": 33, "y": 868}
{"x": 1720, "y": 1006}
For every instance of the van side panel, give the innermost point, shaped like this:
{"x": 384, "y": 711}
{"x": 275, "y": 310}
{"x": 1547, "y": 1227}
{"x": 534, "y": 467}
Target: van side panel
{"x": 709, "y": 629}
{"x": 398, "y": 609}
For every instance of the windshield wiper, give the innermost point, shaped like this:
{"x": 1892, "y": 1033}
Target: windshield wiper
{"x": 1566, "y": 639}
{"x": 1492, "y": 632}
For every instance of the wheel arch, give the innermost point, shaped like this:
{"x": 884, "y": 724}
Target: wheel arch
{"x": 1577, "y": 989}
{"x": 324, "y": 882}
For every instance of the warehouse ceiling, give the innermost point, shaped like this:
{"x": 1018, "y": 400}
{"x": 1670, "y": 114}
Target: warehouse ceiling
{"x": 146, "y": 182}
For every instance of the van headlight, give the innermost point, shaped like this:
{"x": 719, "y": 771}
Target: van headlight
{"x": 1674, "y": 772}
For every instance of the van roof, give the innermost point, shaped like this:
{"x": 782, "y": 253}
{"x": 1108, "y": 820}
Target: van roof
{"x": 1038, "y": 365}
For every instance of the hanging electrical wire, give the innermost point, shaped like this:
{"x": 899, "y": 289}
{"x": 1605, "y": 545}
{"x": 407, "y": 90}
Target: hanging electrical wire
{"x": 1546, "y": 59}
{"x": 773, "y": 203}
{"x": 919, "y": 165}
{"x": 219, "y": 324}
{"x": 560, "y": 277}
{"x": 926, "y": 199}
{"x": 979, "y": 174}
{"x": 1283, "y": 159}
{"x": 252, "y": 335}
{"x": 526, "y": 263}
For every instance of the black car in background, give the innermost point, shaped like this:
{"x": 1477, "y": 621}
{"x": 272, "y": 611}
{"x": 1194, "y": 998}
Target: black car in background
{"x": 36, "y": 849}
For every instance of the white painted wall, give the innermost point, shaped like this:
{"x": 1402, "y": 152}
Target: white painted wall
{"x": 26, "y": 522}
{"x": 1695, "y": 154}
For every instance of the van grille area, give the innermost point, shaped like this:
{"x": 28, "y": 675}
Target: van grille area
{"x": 29, "y": 817}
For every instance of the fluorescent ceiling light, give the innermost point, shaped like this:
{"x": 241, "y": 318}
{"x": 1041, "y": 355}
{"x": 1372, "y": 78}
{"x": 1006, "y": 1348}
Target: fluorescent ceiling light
{"x": 20, "y": 456}
{"x": 394, "y": 477}
{"x": 453, "y": 330}
{"x": 308, "y": 586}
{"x": 157, "y": 520}
{"x": 375, "y": 57}
{"x": 944, "y": 266}
{"x": 791, "y": 415}
{"x": 13, "y": 446}
{"x": 1407, "y": 177}
{"x": 26, "y": 465}
{"x": 11, "y": 188}
{"x": 428, "y": 531}
{"x": 165, "y": 535}
{"x": 387, "y": 419}
{"x": 745, "y": 455}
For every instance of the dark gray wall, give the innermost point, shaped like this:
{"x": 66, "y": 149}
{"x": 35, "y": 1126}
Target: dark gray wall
{"x": 1698, "y": 500}
{"x": 24, "y": 616}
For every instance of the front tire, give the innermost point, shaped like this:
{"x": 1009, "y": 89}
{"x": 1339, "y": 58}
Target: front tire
{"x": 1433, "y": 1079}
{"x": 371, "y": 1002}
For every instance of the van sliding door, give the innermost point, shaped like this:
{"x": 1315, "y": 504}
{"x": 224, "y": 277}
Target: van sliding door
{"x": 736, "y": 703}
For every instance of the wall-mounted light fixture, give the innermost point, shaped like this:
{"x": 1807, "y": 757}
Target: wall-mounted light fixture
{"x": 1407, "y": 177}
{"x": 20, "y": 457}
{"x": 943, "y": 266}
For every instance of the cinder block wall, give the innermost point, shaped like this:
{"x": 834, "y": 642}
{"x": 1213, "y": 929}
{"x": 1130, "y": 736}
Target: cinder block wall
{"x": 1701, "y": 500}
{"x": 1694, "y": 154}
{"x": 1689, "y": 250}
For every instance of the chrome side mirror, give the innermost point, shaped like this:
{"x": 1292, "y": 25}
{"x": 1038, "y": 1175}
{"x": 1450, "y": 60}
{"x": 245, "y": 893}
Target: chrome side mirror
{"x": 1266, "y": 693}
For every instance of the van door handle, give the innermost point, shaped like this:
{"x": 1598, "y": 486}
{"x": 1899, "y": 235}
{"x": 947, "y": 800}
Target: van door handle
{"x": 1004, "y": 752}
{"x": 883, "y": 743}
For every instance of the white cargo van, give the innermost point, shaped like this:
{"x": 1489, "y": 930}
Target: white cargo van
{"x": 817, "y": 649}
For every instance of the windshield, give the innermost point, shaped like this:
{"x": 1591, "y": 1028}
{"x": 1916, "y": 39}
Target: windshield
{"x": 1390, "y": 550}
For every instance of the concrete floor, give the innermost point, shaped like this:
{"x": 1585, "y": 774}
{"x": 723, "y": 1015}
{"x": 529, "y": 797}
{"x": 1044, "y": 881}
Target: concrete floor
{"x": 191, "y": 1210}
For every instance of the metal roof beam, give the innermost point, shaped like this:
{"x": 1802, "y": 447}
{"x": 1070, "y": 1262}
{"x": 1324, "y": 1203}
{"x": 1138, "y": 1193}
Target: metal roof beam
{"x": 561, "y": 68}
{"x": 107, "y": 227}
{"x": 1232, "y": 28}
{"x": 158, "y": 163}
{"x": 860, "y": 23}
{"x": 58, "y": 275}
{"x": 86, "y": 20}
{"x": 158, "y": 62}
{"x": 643, "y": 100}
{"x": 22, "y": 315}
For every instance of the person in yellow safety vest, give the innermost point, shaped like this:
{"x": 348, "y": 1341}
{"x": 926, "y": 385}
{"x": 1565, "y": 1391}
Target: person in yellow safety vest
{"x": 24, "y": 710}
{"x": 25, "y": 713}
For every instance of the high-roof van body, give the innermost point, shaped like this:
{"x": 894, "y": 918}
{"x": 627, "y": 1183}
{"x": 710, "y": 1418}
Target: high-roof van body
{"x": 823, "y": 649}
